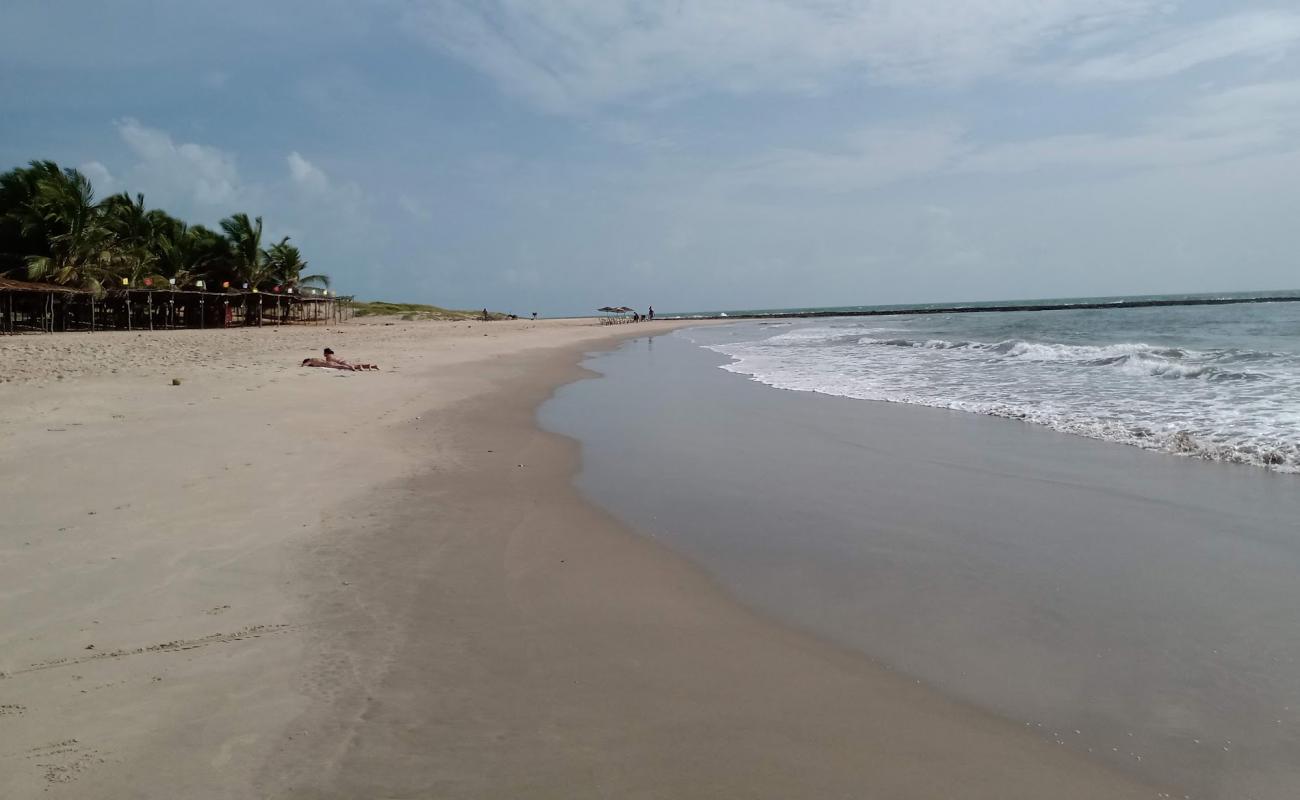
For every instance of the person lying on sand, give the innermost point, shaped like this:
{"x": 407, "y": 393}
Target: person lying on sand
{"x": 329, "y": 358}
{"x": 320, "y": 362}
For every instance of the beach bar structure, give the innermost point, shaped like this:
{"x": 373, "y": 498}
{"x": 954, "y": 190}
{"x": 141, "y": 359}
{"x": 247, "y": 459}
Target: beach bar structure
{"x": 45, "y": 308}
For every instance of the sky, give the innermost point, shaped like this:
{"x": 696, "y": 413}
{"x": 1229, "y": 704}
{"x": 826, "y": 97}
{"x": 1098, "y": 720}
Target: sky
{"x": 556, "y": 156}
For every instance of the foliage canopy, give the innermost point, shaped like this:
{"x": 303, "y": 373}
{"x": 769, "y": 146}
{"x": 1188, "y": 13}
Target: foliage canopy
{"x": 53, "y": 230}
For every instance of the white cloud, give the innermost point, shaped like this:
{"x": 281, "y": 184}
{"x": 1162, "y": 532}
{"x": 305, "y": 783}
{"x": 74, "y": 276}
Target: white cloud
{"x": 1227, "y": 124}
{"x": 1098, "y": 151}
{"x": 571, "y": 54}
{"x": 633, "y": 135}
{"x": 1259, "y": 34}
{"x": 871, "y": 157}
{"x": 100, "y": 178}
{"x": 328, "y": 218}
{"x": 415, "y": 208}
{"x": 1217, "y": 126}
{"x": 1273, "y": 105}
{"x": 306, "y": 174}
{"x": 203, "y": 174}
{"x": 317, "y": 202}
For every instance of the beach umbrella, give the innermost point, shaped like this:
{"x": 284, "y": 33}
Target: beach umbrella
{"x": 609, "y": 309}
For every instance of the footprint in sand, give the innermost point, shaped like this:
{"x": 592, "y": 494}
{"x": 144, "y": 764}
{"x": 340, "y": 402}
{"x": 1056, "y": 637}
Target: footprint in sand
{"x": 63, "y": 762}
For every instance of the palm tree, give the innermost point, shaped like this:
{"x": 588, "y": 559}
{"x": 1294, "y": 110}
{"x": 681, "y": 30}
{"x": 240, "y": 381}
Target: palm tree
{"x": 287, "y": 265}
{"x": 187, "y": 253}
{"x": 134, "y": 236}
{"x": 22, "y": 223}
{"x": 79, "y": 250}
{"x": 248, "y": 260}
{"x": 52, "y": 229}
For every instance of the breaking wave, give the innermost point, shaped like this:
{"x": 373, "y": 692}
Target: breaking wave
{"x": 1225, "y": 404}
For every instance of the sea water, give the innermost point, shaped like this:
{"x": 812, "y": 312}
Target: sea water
{"x": 1219, "y": 382}
{"x": 1132, "y": 606}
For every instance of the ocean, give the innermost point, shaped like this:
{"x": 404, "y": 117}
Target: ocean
{"x": 990, "y": 531}
{"x": 1219, "y": 382}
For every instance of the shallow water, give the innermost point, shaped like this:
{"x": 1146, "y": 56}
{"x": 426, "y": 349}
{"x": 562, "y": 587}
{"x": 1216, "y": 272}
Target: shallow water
{"x": 1138, "y": 608}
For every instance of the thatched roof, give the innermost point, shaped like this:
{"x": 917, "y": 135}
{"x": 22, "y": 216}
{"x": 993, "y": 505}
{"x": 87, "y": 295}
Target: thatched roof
{"x": 9, "y": 284}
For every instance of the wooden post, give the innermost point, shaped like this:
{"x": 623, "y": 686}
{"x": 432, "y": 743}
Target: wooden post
{"x": 92, "y": 313}
{"x": 149, "y": 298}
{"x": 259, "y": 311}
{"x": 128, "y": 309}
{"x": 202, "y": 304}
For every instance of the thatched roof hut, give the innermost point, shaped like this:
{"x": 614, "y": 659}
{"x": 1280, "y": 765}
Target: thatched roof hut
{"x": 11, "y": 285}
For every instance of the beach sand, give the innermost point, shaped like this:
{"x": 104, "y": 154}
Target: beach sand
{"x": 274, "y": 581}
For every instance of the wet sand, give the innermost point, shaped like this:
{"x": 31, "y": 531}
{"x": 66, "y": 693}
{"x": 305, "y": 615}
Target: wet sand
{"x": 275, "y": 582}
{"x": 1135, "y": 606}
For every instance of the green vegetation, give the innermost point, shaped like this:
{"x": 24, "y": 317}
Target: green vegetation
{"x": 52, "y": 230}
{"x": 416, "y": 311}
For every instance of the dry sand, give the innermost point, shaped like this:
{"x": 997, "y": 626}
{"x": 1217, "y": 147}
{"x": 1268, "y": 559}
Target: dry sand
{"x": 275, "y": 581}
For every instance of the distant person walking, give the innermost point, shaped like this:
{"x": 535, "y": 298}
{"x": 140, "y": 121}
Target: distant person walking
{"x": 651, "y": 315}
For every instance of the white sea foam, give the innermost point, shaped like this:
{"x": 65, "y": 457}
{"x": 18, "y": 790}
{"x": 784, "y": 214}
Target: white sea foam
{"x": 1237, "y": 405}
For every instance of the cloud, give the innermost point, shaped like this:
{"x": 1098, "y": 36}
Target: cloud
{"x": 1272, "y": 105}
{"x": 306, "y": 174}
{"x": 315, "y": 201}
{"x": 869, "y": 158}
{"x": 633, "y": 135}
{"x": 100, "y": 178}
{"x": 1220, "y": 125}
{"x": 1099, "y": 151}
{"x": 573, "y": 54}
{"x": 329, "y": 218}
{"x": 1259, "y": 34}
{"x": 415, "y": 208}
{"x": 1234, "y": 123}
{"x": 205, "y": 175}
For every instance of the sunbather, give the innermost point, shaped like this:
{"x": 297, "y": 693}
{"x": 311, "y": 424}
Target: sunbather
{"x": 320, "y": 362}
{"x": 329, "y": 357}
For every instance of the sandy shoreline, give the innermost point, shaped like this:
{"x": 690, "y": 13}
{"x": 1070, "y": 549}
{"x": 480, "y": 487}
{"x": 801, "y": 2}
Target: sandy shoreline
{"x": 273, "y": 581}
